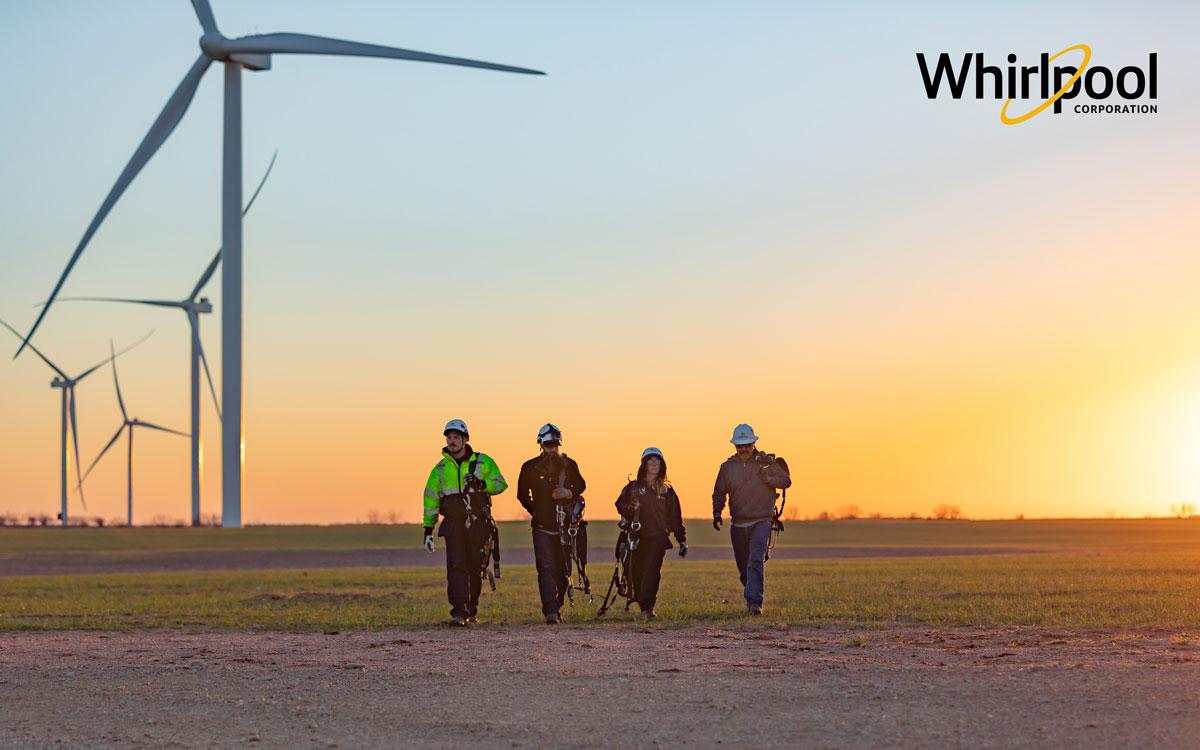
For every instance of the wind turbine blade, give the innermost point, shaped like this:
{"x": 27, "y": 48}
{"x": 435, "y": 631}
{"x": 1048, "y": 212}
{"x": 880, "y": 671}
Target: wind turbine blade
{"x": 205, "y": 15}
{"x": 306, "y": 44}
{"x": 261, "y": 182}
{"x": 212, "y": 266}
{"x": 34, "y": 349}
{"x": 208, "y": 272}
{"x": 162, "y": 128}
{"x": 75, "y": 442}
{"x": 208, "y": 375}
{"x": 116, "y": 382}
{"x": 154, "y": 302}
{"x": 103, "y": 451}
{"x": 151, "y": 425}
{"x": 98, "y": 365}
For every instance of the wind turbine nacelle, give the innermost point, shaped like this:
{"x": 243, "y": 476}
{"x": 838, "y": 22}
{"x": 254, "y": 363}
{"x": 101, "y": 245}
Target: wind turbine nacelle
{"x": 203, "y": 306}
{"x": 252, "y": 61}
{"x": 216, "y": 47}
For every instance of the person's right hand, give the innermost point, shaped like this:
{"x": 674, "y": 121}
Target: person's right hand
{"x": 717, "y": 521}
{"x": 428, "y": 540}
{"x": 561, "y": 493}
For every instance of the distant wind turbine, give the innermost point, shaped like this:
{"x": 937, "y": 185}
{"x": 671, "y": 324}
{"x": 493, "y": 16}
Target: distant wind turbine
{"x": 67, "y": 385}
{"x": 126, "y": 424}
{"x": 193, "y": 307}
{"x": 254, "y": 53}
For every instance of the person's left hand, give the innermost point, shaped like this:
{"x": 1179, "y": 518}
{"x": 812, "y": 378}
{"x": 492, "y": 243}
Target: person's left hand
{"x": 683, "y": 549}
{"x": 561, "y": 493}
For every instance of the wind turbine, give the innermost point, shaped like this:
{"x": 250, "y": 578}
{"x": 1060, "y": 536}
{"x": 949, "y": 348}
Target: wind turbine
{"x": 193, "y": 308}
{"x": 129, "y": 424}
{"x": 67, "y": 385}
{"x": 254, "y": 53}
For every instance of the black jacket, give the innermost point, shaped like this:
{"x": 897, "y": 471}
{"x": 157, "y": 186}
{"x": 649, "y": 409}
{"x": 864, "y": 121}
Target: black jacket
{"x": 658, "y": 514}
{"x": 539, "y": 477}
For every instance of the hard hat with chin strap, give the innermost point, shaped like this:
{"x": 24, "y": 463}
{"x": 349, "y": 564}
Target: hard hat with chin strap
{"x": 549, "y": 434}
{"x": 457, "y": 425}
{"x": 743, "y": 434}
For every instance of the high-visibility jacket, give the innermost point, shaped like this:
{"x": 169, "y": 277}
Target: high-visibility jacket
{"x": 449, "y": 478}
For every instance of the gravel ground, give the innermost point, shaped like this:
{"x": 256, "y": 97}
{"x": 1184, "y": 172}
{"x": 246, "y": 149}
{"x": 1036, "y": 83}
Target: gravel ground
{"x": 71, "y": 563}
{"x": 607, "y": 686}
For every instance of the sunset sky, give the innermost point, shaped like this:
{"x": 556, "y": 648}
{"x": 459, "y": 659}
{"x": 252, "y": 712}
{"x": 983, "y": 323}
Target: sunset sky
{"x": 705, "y": 214}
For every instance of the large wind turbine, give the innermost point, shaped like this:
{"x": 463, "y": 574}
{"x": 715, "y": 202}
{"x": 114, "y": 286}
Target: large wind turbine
{"x": 67, "y": 385}
{"x": 126, "y": 424}
{"x": 193, "y": 307}
{"x": 254, "y": 53}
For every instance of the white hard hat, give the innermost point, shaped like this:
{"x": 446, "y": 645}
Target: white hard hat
{"x": 549, "y": 433}
{"x": 652, "y": 451}
{"x": 458, "y": 426}
{"x": 743, "y": 434}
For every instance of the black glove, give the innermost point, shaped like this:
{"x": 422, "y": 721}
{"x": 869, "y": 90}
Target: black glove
{"x": 717, "y": 521}
{"x": 428, "y": 540}
{"x": 683, "y": 549}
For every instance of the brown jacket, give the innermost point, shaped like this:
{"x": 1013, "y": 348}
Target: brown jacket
{"x": 750, "y": 489}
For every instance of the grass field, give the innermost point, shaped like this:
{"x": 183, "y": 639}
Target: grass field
{"x": 1039, "y": 535}
{"x": 1077, "y": 574}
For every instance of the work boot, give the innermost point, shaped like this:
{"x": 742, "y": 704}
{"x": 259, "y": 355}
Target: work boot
{"x": 457, "y": 621}
{"x": 650, "y": 614}
{"x": 473, "y": 620}
{"x": 553, "y": 618}
{"x": 756, "y": 610}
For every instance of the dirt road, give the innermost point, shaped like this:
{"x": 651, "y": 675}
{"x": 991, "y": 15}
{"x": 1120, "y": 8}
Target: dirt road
{"x": 623, "y": 686}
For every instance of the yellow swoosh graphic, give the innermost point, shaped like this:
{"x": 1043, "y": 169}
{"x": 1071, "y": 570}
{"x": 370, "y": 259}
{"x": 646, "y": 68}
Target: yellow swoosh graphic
{"x": 1087, "y": 57}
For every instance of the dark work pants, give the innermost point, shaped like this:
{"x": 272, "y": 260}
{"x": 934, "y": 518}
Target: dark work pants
{"x": 462, "y": 565}
{"x": 646, "y": 569}
{"x": 750, "y": 552}
{"x": 551, "y": 570}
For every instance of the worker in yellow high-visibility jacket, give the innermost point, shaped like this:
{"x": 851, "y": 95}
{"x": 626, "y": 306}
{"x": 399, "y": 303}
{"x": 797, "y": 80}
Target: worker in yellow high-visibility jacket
{"x": 460, "y": 488}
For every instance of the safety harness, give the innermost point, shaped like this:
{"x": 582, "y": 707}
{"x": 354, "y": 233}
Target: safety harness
{"x": 489, "y": 550}
{"x": 570, "y": 520}
{"x": 622, "y": 578}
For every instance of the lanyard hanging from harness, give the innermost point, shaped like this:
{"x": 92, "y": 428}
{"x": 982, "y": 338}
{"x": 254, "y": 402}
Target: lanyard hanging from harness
{"x": 570, "y": 521}
{"x": 777, "y": 522}
{"x": 777, "y": 518}
{"x": 622, "y": 582}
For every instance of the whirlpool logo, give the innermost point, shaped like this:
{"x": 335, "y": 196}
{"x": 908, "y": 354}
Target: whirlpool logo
{"x": 1075, "y": 75}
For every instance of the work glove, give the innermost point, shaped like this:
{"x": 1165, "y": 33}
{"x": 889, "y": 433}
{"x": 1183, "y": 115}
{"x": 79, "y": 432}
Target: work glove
{"x": 717, "y": 521}
{"x": 683, "y": 549}
{"x": 428, "y": 539}
{"x": 561, "y": 493}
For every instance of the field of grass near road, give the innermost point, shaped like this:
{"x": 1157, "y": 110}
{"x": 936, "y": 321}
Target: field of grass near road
{"x": 1159, "y": 590}
{"x": 1047, "y": 536}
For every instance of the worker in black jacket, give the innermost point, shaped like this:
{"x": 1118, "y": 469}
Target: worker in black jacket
{"x": 650, "y": 501}
{"x": 546, "y": 482}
